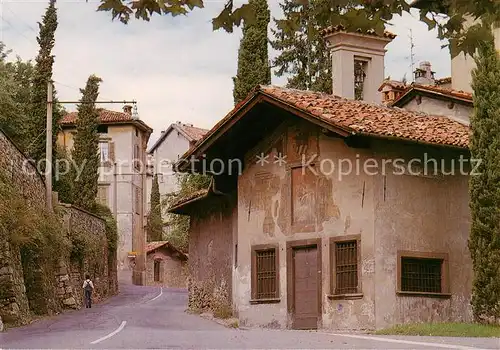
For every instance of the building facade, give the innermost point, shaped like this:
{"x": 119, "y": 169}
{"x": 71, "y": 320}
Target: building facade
{"x": 165, "y": 265}
{"x": 170, "y": 146}
{"x": 345, "y": 213}
{"x": 122, "y": 181}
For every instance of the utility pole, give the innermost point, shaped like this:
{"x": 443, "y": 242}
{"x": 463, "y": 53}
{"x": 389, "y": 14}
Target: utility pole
{"x": 48, "y": 148}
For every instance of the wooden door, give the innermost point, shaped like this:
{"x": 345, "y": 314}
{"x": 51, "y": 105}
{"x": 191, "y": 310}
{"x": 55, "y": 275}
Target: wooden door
{"x": 306, "y": 288}
{"x": 156, "y": 271}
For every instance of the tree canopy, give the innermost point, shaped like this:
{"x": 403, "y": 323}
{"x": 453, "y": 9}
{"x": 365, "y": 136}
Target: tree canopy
{"x": 362, "y": 14}
{"x": 484, "y": 243}
{"x": 253, "y": 58}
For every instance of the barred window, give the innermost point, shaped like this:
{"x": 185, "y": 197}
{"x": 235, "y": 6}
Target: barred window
{"x": 345, "y": 261}
{"x": 423, "y": 273}
{"x": 265, "y": 273}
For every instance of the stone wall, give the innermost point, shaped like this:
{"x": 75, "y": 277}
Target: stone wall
{"x": 71, "y": 274}
{"x": 61, "y": 285}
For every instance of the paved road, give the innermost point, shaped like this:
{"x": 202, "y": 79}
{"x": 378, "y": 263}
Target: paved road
{"x": 141, "y": 318}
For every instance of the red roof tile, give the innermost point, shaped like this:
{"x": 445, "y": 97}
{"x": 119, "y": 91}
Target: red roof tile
{"x": 152, "y": 246}
{"x": 442, "y": 81}
{"x": 359, "y": 117}
{"x": 193, "y": 132}
{"x": 341, "y": 28}
{"x": 105, "y": 116}
{"x": 438, "y": 90}
{"x": 362, "y": 117}
{"x": 393, "y": 83}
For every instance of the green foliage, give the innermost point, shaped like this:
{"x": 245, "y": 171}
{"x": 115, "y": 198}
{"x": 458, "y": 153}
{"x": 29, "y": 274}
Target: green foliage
{"x": 484, "y": 243}
{"x": 303, "y": 56}
{"x": 15, "y": 89}
{"x": 253, "y": 60}
{"x": 443, "y": 330}
{"x": 41, "y": 239}
{"x": 111, "y": 227}
{"x": 155, "y": 222}
{"x": 179, "y": 224}
{"x": 63, "y": 183}
{"x": 86, "y": 147}
{"x": 362, "y": 14}
{"x": 35, "y": 139}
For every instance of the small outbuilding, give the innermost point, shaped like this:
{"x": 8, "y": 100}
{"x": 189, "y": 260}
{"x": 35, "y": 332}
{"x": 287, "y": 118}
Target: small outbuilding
{"x": 165, "y": 265}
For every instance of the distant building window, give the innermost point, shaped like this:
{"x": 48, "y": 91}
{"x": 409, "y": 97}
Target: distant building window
{"x": 102, "y": 194}
{"x": 102, "y": 129}
{"x": 137, "y": 199}
{"x": 345, "y": 260}
{"x": 104, "y": 151}
{"x": 265, "y": 278}
{"x": 423, "y": 273}
{"x": 137, "y": 160}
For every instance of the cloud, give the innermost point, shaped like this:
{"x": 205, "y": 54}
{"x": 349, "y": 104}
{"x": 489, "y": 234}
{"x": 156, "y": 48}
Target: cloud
{"x": 177, "y": 68}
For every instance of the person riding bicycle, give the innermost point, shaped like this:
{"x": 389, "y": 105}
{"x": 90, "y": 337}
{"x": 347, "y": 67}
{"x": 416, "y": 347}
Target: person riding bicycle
{"x": 88, "y": 287}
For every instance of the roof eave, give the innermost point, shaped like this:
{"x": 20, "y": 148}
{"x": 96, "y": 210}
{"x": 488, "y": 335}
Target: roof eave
{"x": 214, "y": 133}
{"x": 413, "y": 141}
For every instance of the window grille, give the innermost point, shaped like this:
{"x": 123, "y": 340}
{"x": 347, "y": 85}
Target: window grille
{"x": 266, "y": 274}
{"x": 346, "y": 267}
{"x": 421, "y": 275}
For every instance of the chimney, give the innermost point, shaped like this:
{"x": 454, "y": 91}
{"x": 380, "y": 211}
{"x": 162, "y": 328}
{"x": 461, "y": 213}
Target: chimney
{"x": 358, "y": 62}
{"x": 391, "y": 90}
{"x": 424, "y": 74}
{"x": 127, "y": 109}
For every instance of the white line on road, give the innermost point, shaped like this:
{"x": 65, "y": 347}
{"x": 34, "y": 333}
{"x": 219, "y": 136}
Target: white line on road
{"x": 409, "y": 342}
{"x": 159, "y": 295}
{"x": 118, "y": 330}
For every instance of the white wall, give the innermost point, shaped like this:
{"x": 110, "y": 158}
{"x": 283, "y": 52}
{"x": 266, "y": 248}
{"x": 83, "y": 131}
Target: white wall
{"x": 433, "y": 106}
{"x": 168, "y": 152}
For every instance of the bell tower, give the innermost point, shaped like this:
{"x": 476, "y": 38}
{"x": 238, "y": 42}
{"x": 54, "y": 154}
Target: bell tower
{"x": 357, "y": 61}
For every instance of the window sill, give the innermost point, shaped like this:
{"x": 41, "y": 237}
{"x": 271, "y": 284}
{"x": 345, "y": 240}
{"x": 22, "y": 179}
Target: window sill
{"x": 350, "y": 296}
{"x": 424, "y": 294}
{"x": 265, "y": 301}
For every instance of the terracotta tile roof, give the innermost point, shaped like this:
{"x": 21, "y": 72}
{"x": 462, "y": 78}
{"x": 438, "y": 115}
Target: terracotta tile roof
{"x": 152, "y": 246}
{"x": 366, "y": 118}
{"x": 442, "y": 81}
{"x": 108, "y": 117}
{"x": 192, "y": 196}
{"x": 393, "y": 83}
{"x": 341, "y": 28}
{"x": 193, "y": 132}
{"x": 438, "y": 90}
{"x": 105, "y": 116}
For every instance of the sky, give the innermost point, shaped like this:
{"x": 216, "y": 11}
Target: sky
{"x": 176, "y": 68}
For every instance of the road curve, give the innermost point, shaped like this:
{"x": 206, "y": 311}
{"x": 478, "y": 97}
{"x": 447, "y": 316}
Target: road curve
{"x": 150, "y": 317}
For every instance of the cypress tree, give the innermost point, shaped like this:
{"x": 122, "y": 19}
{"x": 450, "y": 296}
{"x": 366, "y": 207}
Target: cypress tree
{"x": 253, "y": 60}
{"x": 484, "y": 242}
{"x": 303, "y": 56}
{"x": 155, "y": 223}
{"x": 86, "y": 147}
{"x": 35, "y": 136}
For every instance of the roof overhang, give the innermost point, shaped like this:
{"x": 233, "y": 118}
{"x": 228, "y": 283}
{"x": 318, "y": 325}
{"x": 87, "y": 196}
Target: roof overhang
{"x": 412, "y": 92}
{"x": 258, "y": 98}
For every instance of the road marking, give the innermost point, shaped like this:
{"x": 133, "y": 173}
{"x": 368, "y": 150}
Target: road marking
{"x": 118, "y": 330}
{"x": 159, "y": 295}
{"x": 409, "y": 342}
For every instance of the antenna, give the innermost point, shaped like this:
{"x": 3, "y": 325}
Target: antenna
{"x": 412, "y": 54}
